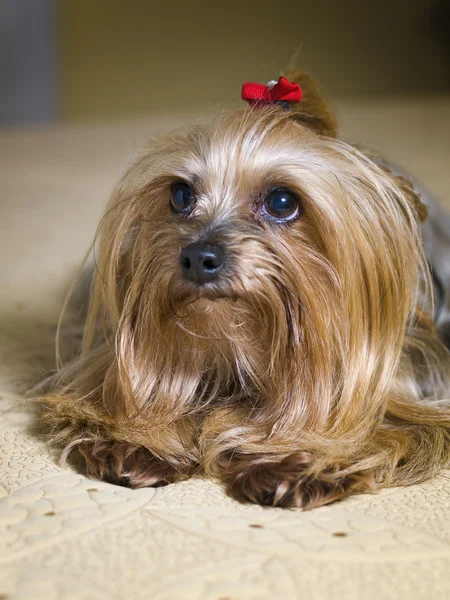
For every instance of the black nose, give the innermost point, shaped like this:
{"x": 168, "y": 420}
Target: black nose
{"x": 201, "y": 263}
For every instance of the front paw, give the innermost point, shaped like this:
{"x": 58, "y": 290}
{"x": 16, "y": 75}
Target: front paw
{"x": 123, "y": 463}
{"x": 290, "y": 482}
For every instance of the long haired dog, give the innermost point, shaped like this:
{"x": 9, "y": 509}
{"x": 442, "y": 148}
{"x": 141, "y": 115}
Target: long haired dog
{"x": 260, "y": 313}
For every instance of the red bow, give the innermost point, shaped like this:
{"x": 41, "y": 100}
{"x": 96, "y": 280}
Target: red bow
{"x": 282, "y": 91}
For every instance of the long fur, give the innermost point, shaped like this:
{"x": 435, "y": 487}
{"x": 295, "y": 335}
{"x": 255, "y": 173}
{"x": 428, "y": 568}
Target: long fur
{"x": 311, "y": 369}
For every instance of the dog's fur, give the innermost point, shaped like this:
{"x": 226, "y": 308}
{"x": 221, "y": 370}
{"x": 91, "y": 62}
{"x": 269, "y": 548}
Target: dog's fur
{"x": 310, "y": 370}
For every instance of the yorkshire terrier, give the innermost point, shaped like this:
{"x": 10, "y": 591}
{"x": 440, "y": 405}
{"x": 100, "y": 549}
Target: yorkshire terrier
{"x": 261, "y": 312}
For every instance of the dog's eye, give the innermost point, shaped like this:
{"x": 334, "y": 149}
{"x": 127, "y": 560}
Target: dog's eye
{"x": 281, "y": 204}
{"x": 181, "y": 197}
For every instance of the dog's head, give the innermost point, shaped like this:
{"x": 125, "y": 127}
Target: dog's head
{"x": 258, "y": 256}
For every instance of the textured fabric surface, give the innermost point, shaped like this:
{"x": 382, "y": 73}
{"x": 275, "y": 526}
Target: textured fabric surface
{"x": 65, "y": 537}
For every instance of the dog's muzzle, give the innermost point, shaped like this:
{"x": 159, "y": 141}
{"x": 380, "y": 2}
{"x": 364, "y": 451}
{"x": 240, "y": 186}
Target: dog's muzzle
{"x": 201, "y": 263}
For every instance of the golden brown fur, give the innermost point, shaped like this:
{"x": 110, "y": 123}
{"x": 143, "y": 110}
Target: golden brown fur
{"x": 308, "y": 372}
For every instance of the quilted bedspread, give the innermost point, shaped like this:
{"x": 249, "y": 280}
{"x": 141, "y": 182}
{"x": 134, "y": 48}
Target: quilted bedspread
{"x": 66, "y": 537}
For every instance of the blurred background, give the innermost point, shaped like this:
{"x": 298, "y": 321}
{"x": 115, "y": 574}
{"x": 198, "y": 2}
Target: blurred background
{"x": 78, "y": 60}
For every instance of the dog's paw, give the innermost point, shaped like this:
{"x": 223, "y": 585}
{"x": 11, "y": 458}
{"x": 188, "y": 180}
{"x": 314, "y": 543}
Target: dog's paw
{"x": 123, "y": 463}
{"x": 290, "y": 482}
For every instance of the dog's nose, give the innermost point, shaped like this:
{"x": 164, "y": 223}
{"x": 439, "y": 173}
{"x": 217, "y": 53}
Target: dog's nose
{"x": 201, "y": 263}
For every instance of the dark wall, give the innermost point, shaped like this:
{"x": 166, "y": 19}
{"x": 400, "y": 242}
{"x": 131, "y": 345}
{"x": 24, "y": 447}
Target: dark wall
{"x": 90, "y": 59}
{"x": 140, "y": 55}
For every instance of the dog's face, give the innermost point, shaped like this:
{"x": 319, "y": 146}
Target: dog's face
{"x": 226, "y": 229}
{"x": 255, "y": 253}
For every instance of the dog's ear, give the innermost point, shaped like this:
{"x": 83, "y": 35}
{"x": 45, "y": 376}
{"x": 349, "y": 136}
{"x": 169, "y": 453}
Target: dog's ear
{"x": 407, "y": 187}
{"x": 313, "y": 110}
{"x": 416, "y": 201}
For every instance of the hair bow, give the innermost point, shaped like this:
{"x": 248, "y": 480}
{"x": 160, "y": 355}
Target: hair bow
{"x": 275, "y": 91}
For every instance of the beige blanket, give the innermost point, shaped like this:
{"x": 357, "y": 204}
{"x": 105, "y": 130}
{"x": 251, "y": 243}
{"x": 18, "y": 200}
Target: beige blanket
{"x": 64, "y": 537}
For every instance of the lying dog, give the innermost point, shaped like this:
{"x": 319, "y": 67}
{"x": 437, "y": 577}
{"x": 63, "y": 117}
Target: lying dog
{"x": 261, "y": 313}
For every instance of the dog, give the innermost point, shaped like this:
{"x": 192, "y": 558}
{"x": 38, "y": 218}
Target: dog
{"x": 261, "y": 313}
